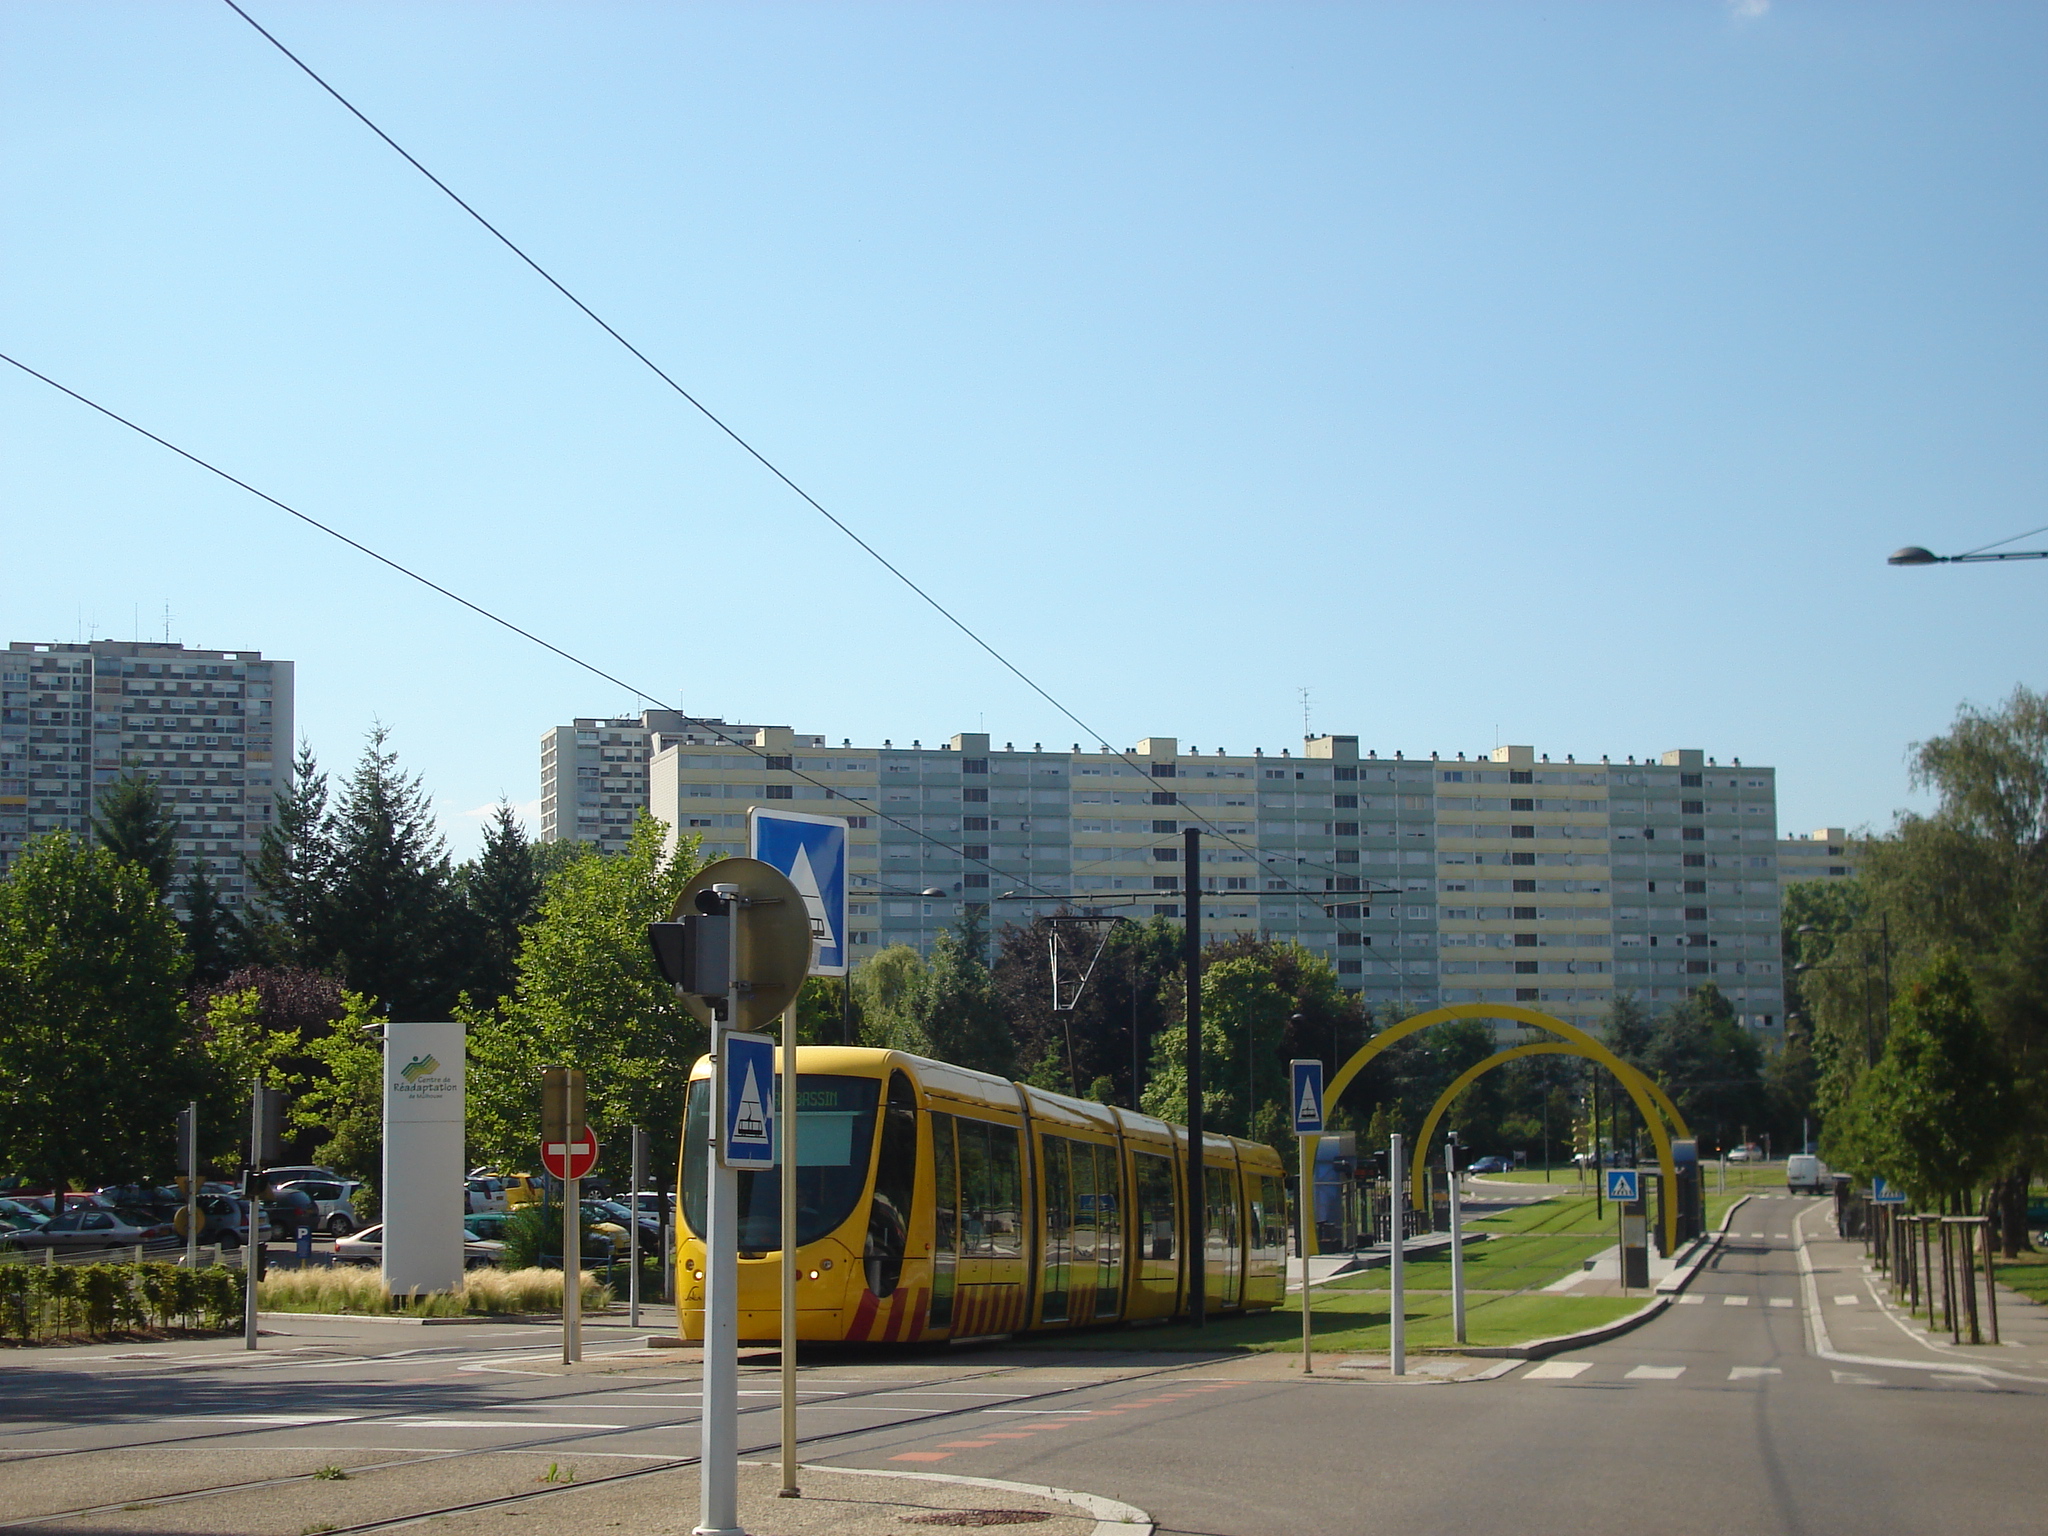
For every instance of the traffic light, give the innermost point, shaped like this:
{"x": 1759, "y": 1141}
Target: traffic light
{"x": 694, "y": 952}
{"x": 267, "y": 1128}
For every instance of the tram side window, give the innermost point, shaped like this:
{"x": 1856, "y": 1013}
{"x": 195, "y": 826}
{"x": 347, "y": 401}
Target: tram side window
{"x": 991, "y": 1190}
{"x": 1270, "y": 1219}
{"x": 895, "y": 1185}
{"x": 945, "y": 1198}
{"x": 1155, "y": 1206}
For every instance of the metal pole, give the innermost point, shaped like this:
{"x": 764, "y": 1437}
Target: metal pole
{"x": 1304, "y": 1212}
{"x": 1599, "y": 1159}
{"x": 192, "y": 1188}
{"x": 1990, "y": 1283}
{"x": 633, "y": 1233}
{"x": 846, "y": 1005}
{"x": 1191, "y": 960}
{"x": 718, "y": 1484}
{"x": 572, "y": 1259}
{"x": 789, "y": 1489}
{"x": 1457, "y": 1242}
{"x": 1397, "y": 1215}
{"x": 250, "y": 1239}
{"x": 1137, "y": 1063}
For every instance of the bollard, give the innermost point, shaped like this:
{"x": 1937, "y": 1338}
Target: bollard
{"x": 1990, "y": 1282}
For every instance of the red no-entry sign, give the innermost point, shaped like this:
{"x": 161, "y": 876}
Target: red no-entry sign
{"x": 569, "y": 1159}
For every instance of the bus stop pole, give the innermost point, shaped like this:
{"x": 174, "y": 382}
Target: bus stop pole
{"x": 1397, "y": 1219}
{"x": 718, "y": 1484}
{"x": 786, "y": 1135}
{"x": 1304, "y": 1214}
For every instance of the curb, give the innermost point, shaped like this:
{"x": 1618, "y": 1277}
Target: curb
{"x": 1112, "y": 1516}
{"x": 1681, "y": 1277}
{"x": 551, "y": 1318}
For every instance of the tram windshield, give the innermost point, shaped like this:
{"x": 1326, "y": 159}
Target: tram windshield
{"x": 835, "y": 1137}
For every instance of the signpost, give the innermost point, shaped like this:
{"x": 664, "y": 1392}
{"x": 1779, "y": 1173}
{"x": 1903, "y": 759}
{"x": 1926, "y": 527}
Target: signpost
{"x": 639, "y": 1172}
{"x": 568, "y": 1150}
{"x": 1883, "y": 1192}
{"x": 188, "y": 1141}
{"x": 1457, "y": 1240}
{"x": 737, "y": 951}
{"x": 266, "y": 1137}
{"x": 1624, "y": 1186}
{"x": 812, "y": 851}
{"x": 1306, "y": 1095}
{"x": 1397, "y": 1215}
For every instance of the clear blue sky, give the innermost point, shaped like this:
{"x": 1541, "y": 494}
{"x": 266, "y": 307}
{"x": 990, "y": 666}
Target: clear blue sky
{"x": 1556, "y": 374}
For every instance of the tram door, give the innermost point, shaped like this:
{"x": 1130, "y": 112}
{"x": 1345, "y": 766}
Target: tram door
{"x": 1222, "y": 1256}
{"x": 945, "y": 1220}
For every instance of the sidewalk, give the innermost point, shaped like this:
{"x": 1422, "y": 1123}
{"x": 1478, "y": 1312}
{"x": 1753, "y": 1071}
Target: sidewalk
{"x": 1852, "y": 1317}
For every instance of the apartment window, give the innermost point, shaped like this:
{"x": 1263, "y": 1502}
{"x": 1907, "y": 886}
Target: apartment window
{"x": 1347, "y": 855}
{"x": 1347, "y": 775}
{"x": 857, "y": 821}
{"x": 1688, "y": 781}
{"x": 1346, "y": 911}
{"x": 1347, "y": 802}
{"x": 973, "y": 823}
{"x": 1341, "y": 883}
{"x": 1276, "y": 773}
{"x": 1521, "y": 805}
{"x": 1521, "y": 831}
{"x": 1695, "y": 967}
{"x": 1350, "y": 967}
{"x": 1522, "y": 858}
{"x": 1168, "y": 827}
{"x": 1525, "y": 941}
{"x": 1347, "y": 829}
{"x": 1350, "y": 940}
{"x": 1162, "y": 855}
{"x": 1695, "y": 887}
{"x": 974, "y": 850}
{"x": 974, "y": 765}
{"x": 779, "y": 763}
{"x": 781, "y": 791}
{"x": 1695, "y": 914}
{"x": 1166, "y": 882}
{"x": 1525, "y": 967}
{"x": 1236, "y": 883}
{"x": 1165, "y": 797}
{"x": 1692, "y": 834}
{"x": 1163, "y": 770}
{"x": 1692, "y": 807}
{"x": 1525, "y": 885}
{"x": 1525, "y": 914}
{"x": 977, "y": 881}
{"x": 974, "y": 796}
{"x": 1521, "y": 776}
{"x": 1695, "y": 861}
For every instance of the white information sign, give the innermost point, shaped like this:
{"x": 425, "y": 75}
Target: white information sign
{"x": 424, "y": 1125}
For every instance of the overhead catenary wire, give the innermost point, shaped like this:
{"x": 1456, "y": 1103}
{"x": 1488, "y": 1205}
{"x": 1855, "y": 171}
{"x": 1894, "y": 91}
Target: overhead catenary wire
{"x": 710, "y": 727}
{"x": 712, "y": 417}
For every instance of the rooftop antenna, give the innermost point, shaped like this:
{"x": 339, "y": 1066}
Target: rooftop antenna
{"x": 167, "y": 623}
{"x": 1304, "y": 714}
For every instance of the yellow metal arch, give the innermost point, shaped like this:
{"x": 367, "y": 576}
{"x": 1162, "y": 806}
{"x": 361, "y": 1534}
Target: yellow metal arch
{"x": 1591, "y": 1048}
{"x": 1540, "y": 1048}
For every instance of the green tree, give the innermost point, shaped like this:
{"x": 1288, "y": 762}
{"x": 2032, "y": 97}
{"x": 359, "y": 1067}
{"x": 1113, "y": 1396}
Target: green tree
{"x": 589, "y": 995}
{"x": 1247, "y": 1005}
{"x": 95, "y": 1054}
{"x": 502, "y": 888}
{"x": 1937, "y": 1113}
{"x": 954, "y": 1009}
{"x": 1707, "y": 1062}
{"x": 210, "y": 928}
{"x": 132, "y": 822}
{"x": 885, "y": 987}
{"x": 343, "y": 1100}
{"x": 288, "y": 877}
{"x": 1166, "y": 1082}
{"x": 391, "y": 918}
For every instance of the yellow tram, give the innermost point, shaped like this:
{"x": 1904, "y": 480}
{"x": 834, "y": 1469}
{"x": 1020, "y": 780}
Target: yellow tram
{"x": 938, "y": 1203}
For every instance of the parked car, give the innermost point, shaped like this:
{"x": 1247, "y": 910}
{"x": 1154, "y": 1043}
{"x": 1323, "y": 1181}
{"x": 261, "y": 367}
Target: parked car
{"x": 367, "y": 1247}
{"x": 79, "y": 1231}
{"x": 292, "y": 1173}
{"x": 502, "y": 1191}
{"x": 225, "y": 1220}
{"x": 333, "y": 1201}
{"x": 1807, "y": 1175}
{"x": 614, "y": 1218}
{"x": 1749, "y": 1154}
{"x": 20, "y": 1216}
{"x": 1482, "y": 1165}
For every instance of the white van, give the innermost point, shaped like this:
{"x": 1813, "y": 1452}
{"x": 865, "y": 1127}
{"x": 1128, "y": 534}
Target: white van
{"x": 1807, "y": 1175}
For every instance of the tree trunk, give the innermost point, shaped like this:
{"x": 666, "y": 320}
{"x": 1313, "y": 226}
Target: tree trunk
{"x": 2007, "y": 1207}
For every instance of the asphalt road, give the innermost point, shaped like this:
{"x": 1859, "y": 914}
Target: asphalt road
{"x": 1713, "y": 1416}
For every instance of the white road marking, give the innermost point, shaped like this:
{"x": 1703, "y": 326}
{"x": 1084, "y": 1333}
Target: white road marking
{"x": 1557, "y": 1370}
{"x": 1840, "y": 1301}
{"x": 1655, "y": 1373}
{"x": 1783, "y": 1301}
{"x": 1752, "y": 1372}
{"x": 1852, "y": 1379}
{"x": 273, "y": 1418}
{"x": 1726, "y": 1301}
{"x": 492, "y": 1424}
{"x": 1692, "y": 1301}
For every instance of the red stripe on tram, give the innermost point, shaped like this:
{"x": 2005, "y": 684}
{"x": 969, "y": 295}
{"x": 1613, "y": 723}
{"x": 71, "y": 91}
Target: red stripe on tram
{"x": 895, "y": 1322}
{"x": 863, "y": 1316}
{"x": 917, "y": 1316}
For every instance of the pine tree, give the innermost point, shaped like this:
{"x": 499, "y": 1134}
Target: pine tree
{"x": 288, "y": 878}
{"x": 503, "y": 890}
{"x": 391, "y": 918}
{"x": 132, "y": 822}
{"x": 210, "y": 928}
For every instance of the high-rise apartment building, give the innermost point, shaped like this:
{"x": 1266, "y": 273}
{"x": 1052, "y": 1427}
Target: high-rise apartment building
{"x": 213, "y": 728}
{"x": 1827, "y": 854}
{"x": 593, "y": 773}
{"x": 1504, "y": 877}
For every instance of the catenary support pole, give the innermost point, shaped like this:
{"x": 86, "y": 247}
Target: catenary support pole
{"x": 786, "y": 1156}
{"x": 1191, "y": 958}
{"x": 192, "y": 1187}
{"x": 718, "y": 1481}
{"x": 1457, "y": 1242}
{"x": 1397, "y": 1216}
{"x": 633, "y": 1229}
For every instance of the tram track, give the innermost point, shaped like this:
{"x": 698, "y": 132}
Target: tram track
{"x": 542, "y": 1443}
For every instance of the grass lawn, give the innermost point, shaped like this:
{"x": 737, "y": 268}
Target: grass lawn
{"x": 2027, "y": 1274}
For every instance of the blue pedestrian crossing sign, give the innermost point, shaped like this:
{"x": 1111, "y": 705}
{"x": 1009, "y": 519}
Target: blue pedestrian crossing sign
{"x": 1623, "y": 1186}
{"x": 748, "y": 1078}
{"x": 1307, "y": 1097}
{"x": 811, "y": 850}
{"x": 1885, "y": 1193}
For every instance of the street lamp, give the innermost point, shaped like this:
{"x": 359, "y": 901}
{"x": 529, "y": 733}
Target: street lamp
{"x": 1913, "y": 554}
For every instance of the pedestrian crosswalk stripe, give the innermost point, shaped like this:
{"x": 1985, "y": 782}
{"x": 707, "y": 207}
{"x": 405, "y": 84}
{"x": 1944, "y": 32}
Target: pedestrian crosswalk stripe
{"x": 1557, "y": 1370}
{"x": 1848, "y": 1301}
{"x": 1692, "y": 1301}
{"x": 1852, "y": 1379}
{"x": 1752, "y": 1372}
{"x": 1783, "y": 1301}
{"x": 1655, "y": 1373}
{"x": 1734, "y": 1301}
